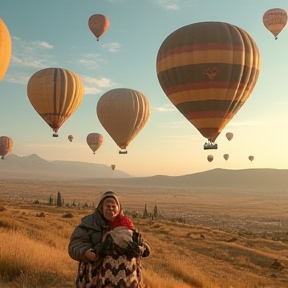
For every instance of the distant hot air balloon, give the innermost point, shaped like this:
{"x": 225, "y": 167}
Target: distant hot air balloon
{"x": 113, "y": 166}
{"x": 226, "y": 156}
{"x": 94, "y": 141}
{"x": 208, "y": 70}
{"x": 251, "y": 158}
{"x": 5, "y": 48}
{"x": 70, "y": 138}
{"x": 229, "y": 136}
{"x": 55, "y": 93}
{"x": 6, "y": 145}
{"x": 123, "y": 113}
{"x": 210, "y": 158}
{"x": 98, "y": 24}
{"x": 275, "y": 20}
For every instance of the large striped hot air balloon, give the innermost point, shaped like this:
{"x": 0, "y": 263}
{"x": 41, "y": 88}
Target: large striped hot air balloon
{"x": 6, "y": 145}
{"x": 55, "y": 93}
{"x": 94, "y": 141}
{"x": 5, "y": 48}
{"x": 98, "y": 25}
{"x": 275, "y": 20}
{"x": 208, "y": 70}
{"x": 123, "y": 113}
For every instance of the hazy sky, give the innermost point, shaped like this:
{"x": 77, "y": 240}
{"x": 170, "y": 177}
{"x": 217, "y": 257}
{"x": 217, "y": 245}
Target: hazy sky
{"x": 56, "y": 34}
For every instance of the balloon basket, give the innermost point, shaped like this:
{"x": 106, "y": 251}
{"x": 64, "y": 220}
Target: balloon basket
{"x": 123, "y": 152}
{"x": 55, "y": 135}
{"x": 208, "y": 146}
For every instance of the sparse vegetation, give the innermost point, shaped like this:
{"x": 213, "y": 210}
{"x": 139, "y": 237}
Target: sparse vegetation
{"x": 192, "y": 246}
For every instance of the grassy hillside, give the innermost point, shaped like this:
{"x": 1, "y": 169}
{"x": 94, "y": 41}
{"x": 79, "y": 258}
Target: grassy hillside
{"x": 209, "y": 247}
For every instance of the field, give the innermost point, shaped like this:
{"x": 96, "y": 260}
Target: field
{"x": 199, "y": 238}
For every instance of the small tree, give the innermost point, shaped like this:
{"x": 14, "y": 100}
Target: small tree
{"x": 145, "y": 213}
{"x": 59, "y": 200}
{"x": 50, "y": 200}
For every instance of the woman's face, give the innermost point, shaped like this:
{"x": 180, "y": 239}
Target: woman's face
{"x": 110, "y": 208}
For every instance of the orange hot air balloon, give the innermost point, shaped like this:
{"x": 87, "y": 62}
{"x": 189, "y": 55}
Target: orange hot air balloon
{"x": 98, "y": 24}
{"x": 229, "y": 136}
{"x": 55, "y": 93}
{"x": 5, "y": 49}
{"x": 94, "y": 141}
{"x": 123, "y": 113}
{"x": 113, "y": 166}
{"x": 226, "y": 156}
{"x": 6, "y": 145}
{"x": 251, "y": 158}
{"x": 208, "y": 70}
{"x": 210, "y": 158}
{"x": 275, "y": 20}
{"x": 70, "y": 138}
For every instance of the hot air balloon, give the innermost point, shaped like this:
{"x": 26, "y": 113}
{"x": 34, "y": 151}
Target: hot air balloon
{"x": 123, "y": 113}
{"x": 113, "y": 166}
{"x": 275, "y": 20}
{"x": 98, "y": 24}
{"x": 208, "y": 70}
{"x": 70, "y": 138}
{"x": 6, "y": 145}
{"x": 229, "y": 136}
{"x": 55, "y": 93}
{"x": 210, "y": 158}
{"x": 5, "y": 49}
{"x": 94, "y": 141}
{"x": 226, "y": 156}
{"x": 251, "y": 158}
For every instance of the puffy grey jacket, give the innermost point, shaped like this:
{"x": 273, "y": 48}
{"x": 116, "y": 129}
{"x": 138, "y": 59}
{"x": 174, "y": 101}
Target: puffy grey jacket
{"x": 88, "y": 234}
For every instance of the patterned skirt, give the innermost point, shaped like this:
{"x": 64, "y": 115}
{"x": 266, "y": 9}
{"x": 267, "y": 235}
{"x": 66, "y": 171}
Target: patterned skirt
{"x": 113, "y": 271}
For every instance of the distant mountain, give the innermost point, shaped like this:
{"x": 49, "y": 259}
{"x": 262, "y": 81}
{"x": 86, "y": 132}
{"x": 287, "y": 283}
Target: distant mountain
{"x": 35, "y": 167}
{"x": 247, "y": 179}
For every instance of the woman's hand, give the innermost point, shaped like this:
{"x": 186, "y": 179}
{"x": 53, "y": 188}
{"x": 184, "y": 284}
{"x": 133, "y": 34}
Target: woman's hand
{"x": 90, "y": 255}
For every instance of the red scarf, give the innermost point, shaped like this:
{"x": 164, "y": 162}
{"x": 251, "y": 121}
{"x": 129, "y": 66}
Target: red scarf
{"x": 122, "y": 220}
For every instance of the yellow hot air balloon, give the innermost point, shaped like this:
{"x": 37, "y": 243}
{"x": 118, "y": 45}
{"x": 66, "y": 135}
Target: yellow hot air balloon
{"x": 98, "y": 25}
{"x": 251, "y": 158}
{"x": 210, "y": 158}
{"x": 275, "y": 20}
{"x": 70, "y": 138}
{"x": 226, "y": 156}
{"x": 123, "y": 113}
{"x": 94, "y": 141}
{"x": 229, "y": 136}
{"x": 208, "y": 70}
{"x": 113, "y": 166}
{"x": 6, "y": 145}
{"x": 5, "y": 48}
{"x": 55, "y": 93}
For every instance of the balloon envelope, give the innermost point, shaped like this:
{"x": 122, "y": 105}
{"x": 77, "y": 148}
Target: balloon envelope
{"x": 251, "y": 158}
{"x": 94, "y": 141}
{"x": 98, "y": 24}
{"x": 229, "y": 136}
{"x": 55, "y": 93}
{"x": 6, "y": 145}
{"x": 275, "y": 20}
{"x": 226, "y": 156}
{"x": 5, "y": 48}
{"x": 210, "y": 158}
{"x": 208, "y": 70}
{"x": 123, "y": 113}
{"x": 70, "y": 138}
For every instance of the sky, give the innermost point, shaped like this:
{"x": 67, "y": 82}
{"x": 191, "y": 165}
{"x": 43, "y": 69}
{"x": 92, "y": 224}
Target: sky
{"x": 56, "y": 34}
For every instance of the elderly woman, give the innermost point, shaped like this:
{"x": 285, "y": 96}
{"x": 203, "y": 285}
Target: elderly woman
{"x": 107, "y": 247}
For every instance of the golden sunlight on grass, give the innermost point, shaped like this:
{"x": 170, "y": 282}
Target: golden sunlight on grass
{"x": 34, "y": 239}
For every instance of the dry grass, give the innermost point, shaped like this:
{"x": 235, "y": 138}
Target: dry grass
{"x": 222, "y": 246}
